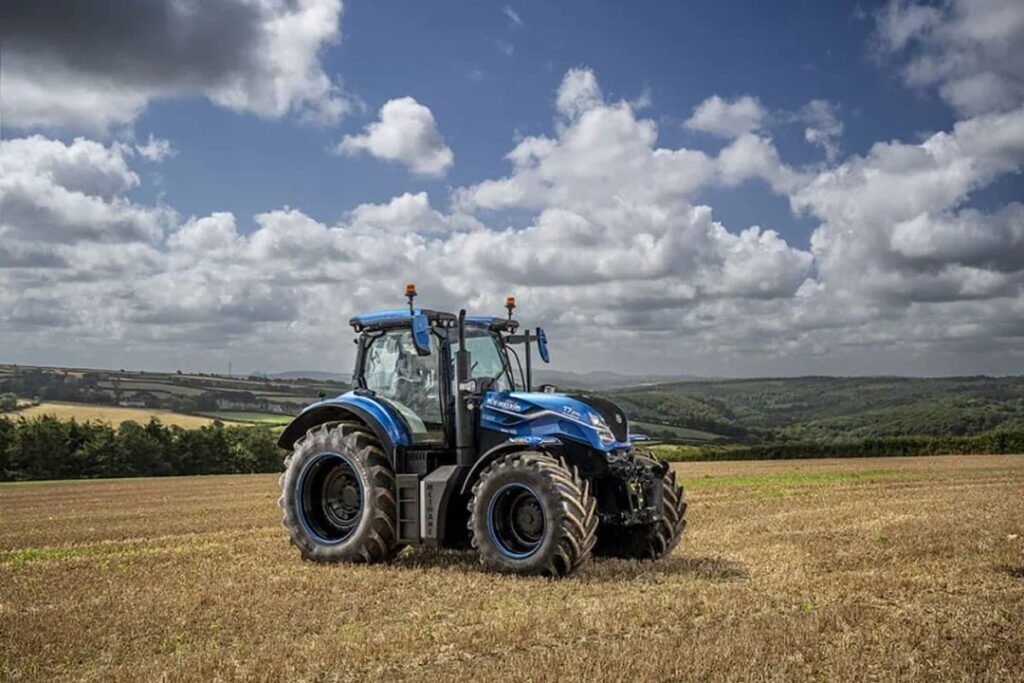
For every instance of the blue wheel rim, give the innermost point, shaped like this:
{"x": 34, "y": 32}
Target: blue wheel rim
{"x": 329, "y": 498}
{"x": 516, "y": 521}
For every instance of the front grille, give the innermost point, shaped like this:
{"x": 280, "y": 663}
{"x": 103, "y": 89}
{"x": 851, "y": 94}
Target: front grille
{"x": 611, "y": 413}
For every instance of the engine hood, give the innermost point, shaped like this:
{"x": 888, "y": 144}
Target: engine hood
{"x": 568, "y": 415}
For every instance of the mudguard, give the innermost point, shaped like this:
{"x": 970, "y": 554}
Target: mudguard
{"x": 386, "y": 425}
{"x": 541, "y": 443}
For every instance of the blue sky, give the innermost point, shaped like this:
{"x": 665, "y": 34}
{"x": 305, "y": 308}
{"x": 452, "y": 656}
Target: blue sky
{"x": 184, "y": 184}
{"x": 448, "y": 56}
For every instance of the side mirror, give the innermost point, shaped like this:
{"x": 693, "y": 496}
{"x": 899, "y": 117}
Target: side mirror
{"x": 421, "y": 334}
{"x": 542, "y": 345}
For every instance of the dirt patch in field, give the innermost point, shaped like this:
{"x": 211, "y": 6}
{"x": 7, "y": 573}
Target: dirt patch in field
{"x": 894, "y": 570}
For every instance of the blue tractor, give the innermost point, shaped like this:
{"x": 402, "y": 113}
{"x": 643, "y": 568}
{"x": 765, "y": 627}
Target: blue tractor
{"x": 443, "y": 442}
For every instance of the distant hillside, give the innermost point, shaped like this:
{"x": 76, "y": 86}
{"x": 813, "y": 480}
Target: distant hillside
{"x": 179, "y": 392}
{"x": 704, "y": 411}
{"x": 599, "y": 379}
{"x": 822, "y": 408}
{"x": 345, "y": 377}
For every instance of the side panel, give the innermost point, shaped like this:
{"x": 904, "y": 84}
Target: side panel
{"x": 537, "y": 414}
{"x": 437, "y": 494}
{"x": 385, "y": 424}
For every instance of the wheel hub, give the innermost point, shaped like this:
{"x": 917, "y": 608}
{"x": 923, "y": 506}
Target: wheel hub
{"x": 331, "y": 498}
{"x": 516, "y": 520}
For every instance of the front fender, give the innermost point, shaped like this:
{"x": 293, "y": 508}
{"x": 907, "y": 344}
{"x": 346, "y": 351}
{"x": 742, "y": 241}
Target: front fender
{"x": 386, "y": 425}
{"x": 516, "y": 443}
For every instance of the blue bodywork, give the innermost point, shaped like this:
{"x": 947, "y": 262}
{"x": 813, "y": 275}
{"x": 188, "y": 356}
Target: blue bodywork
{"x": 521, "y": 414}
{"x": 482, "y": 320}
{"x": 376, "y": 414}
{"x": 380, "y": 317}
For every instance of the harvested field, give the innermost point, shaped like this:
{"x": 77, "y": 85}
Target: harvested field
{"x": 115, "y": 415}
{"x": 878, "y": 568}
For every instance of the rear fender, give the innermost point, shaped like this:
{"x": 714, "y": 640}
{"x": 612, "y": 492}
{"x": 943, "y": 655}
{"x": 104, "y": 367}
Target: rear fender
{"x": 386, "y": 426}
{"x": 516, "y": 443}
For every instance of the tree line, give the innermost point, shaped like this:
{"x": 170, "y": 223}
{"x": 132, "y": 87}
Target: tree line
{"x": 47, "y": 448}
{"x": 996, "y": 442}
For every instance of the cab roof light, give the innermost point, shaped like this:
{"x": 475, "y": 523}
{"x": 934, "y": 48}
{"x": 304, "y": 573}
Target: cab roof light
{"x": 410, "y": 293}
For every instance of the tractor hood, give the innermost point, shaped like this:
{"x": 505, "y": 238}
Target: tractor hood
{"x": 580, "y": 417}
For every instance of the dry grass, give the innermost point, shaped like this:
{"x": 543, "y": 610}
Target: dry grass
{"x": 115, "y": 415}
{"x": 853, "y": 569}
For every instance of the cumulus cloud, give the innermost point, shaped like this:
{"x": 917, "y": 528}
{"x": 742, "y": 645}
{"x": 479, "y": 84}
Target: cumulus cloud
{"x": 968, "y": 49}
{"x": 52, "y": 192}
{"x": 611, "y": 248}
{"x": 604, "y": 152}
{"x": 156, "y": 149}
{"x": 824, "y": 127}
{"x": 726, "y": 118}
{"x": 407, "y": 133}
{"x": 893, "y": 223}
{"x": 100, "y": 64}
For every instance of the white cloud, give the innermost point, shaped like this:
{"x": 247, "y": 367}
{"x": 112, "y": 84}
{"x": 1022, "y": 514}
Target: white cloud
{"x": 58, "y": 193}
{"x": 728, "y": 119}
{"x": 578, "y": 93}
{"x": 612, "y": 252}
{"x": 605, "y": 153}
{"x": 156, "y": 149}
{"x": 968, "y": 49}
{"x": 100, "y": 66}
{"x": 504, "y": 47}
{"x": 824, "y": 128}
{"x": 512, "y": 15}
{"x": 407, "y": 133}
{"x": 892, "y": 223}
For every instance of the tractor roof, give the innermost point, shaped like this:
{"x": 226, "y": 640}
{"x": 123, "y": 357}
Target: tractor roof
{"x": 400, "y": 316}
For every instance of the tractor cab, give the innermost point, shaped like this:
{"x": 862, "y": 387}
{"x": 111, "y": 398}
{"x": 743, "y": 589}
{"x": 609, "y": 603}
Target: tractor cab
{"x": 443, "y": 441}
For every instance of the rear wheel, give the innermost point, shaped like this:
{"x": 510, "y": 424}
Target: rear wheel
{"x": 648, "y": 541}
{"x": 532, "y": 514}
{"x": 338, "y": 496}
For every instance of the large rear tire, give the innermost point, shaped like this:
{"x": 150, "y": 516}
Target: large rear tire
{"x": 648, "y": 541}
{"x": 338, "y": 496}
{"x": 532, "y": 514}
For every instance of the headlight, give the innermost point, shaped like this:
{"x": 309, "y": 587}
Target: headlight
{"x": 603, "y": 431}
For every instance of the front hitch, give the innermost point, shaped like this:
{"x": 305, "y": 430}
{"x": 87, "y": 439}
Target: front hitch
{"x": 641, "y": 492}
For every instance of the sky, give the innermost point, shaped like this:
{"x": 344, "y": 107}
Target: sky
{"x": 720, "y": 189}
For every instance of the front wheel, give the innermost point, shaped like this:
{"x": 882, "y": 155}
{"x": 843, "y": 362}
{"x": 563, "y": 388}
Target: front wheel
{"x": 532, "y": 514}
{"x": 338, "y": 496}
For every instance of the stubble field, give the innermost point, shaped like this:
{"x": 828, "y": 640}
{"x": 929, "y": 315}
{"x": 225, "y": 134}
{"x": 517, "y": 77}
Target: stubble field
{"x": 889, "y": 569}
{"x": 115, "y": 415}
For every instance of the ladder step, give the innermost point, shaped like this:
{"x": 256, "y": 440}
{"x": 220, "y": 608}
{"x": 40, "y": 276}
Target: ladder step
{"x": 408, "y": 508}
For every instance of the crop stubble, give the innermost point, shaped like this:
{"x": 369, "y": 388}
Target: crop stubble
{"x": 837, "y": 569}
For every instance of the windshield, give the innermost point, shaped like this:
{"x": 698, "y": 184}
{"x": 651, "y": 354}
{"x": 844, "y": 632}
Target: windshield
{"x": 486, "y": 357}
{"x": 409, "y": 382}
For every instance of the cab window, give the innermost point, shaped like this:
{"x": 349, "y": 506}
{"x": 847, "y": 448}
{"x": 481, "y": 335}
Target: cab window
{"x": 486, "y": 357}
{"x": 407, "y": 381}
